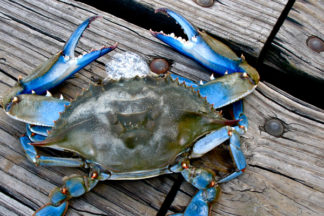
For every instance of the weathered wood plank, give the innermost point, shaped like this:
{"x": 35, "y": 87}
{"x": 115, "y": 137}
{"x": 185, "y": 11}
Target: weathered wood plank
{"x": 247, "y": 24}
{"x": 289, "y": 52}
{"x": 285, "y": 174}
{"x": 32, "y": 31}
{"x": 10, "y": 206}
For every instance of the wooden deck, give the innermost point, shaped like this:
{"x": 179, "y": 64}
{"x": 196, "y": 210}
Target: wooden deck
{"x": 285, "y": 175}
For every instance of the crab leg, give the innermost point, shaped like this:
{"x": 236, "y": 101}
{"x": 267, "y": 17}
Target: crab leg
{"x": 216, "y": 138}
{"x": 34, "y": 137}
{"x": 41, "y": 130}
{"x": 204, "y": 180}
{"x": 238, "y": 157}
{"x": 74, "y": 186}
{"x": 239, "y": 114}
{"x": 32, "y": 155}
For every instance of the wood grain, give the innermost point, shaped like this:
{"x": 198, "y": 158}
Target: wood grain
{"x": 247, "y": 24}
{"x": 289, "y": 52}
{"x": 284, "y": 176}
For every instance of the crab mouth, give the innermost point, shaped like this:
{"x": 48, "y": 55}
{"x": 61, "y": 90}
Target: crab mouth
{"x": 189, "y": 31}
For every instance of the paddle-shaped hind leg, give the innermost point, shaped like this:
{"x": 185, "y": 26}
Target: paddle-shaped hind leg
{"x": 204, "y": 180}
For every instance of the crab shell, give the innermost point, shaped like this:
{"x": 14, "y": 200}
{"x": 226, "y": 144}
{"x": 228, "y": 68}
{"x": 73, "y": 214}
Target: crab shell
{"x": 137, "y": 126}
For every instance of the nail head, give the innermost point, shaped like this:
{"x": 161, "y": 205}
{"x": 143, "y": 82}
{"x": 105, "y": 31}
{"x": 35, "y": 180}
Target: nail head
{"x": 204, "y": 3}
{"x": 274, "y": 127}
{"x": 315, "y": 43}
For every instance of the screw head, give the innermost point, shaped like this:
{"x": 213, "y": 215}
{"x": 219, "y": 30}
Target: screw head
{"x": 315, "y": 43}
{"x": 274, "y": 127}
{"x": 204, "y": 3}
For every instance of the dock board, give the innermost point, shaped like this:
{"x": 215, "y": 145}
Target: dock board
{"x": 285, "y": 175}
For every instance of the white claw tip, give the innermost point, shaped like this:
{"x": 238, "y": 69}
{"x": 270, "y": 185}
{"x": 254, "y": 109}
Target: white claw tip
{"x": 61, "y": 97}
{"x": 33, "y": 92}
{"x": 15, "y": 99}
{"x": 201, "y": 82}
{"x": 212, "y": 77}
{"x": 48, "y": 94}
{"x": 226, "y": 72}
{"x": 194, "y": 39}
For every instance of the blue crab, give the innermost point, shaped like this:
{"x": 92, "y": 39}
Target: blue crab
{"x": 135, "y": 128}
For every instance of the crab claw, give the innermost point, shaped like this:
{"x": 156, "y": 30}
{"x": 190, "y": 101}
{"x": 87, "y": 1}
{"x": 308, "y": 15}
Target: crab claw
{"x": 58, "y": 68}
{"x": 70, "y": 45}
{"x": 196, "y": 47}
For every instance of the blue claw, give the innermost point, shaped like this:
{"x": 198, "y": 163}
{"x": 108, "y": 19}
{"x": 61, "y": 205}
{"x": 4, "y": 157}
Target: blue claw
{"x": 90, "y": 57}
{"x": 196, "y": 47}
{"x": 187, "y": 27}
{"x": 59, "y": 67}
{"x": 33, "y": 136}
{"x": 70, "y": 45}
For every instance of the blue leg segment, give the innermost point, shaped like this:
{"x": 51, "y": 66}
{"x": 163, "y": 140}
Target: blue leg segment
{"x": 209, "y": 142}
{"x": 238, "y": 157}
{"x": 32, "y": 155}
{"x": 74, "y": 186}
{"x": 204, "y": 180}
{"x": 34, "y": 137}
{"x": 41, "y": 130}
{"x": 239, "y": 114}
{"x": 30, "y": 150}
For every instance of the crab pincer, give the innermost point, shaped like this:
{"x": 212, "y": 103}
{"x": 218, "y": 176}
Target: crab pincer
{"x": 241, "y": 78}
{"x": 23, "y": 102}
{"x": 58, "y": 68}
